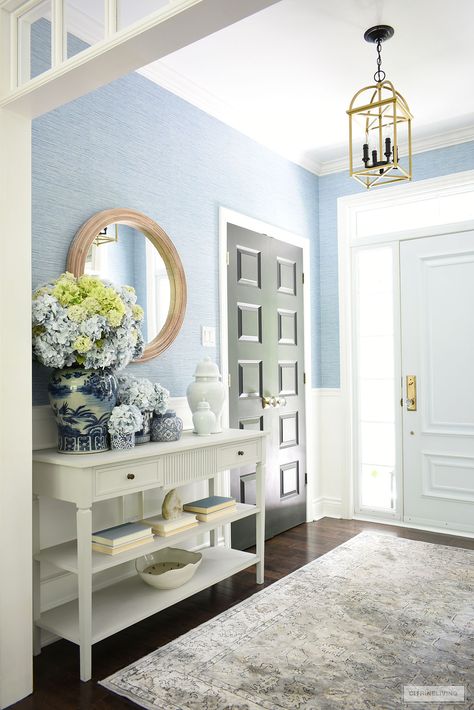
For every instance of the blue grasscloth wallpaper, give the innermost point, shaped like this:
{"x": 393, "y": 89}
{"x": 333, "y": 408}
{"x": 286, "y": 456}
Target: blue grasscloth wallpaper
{"x": 133, "y": 144}
{"x": 425, "y": 165}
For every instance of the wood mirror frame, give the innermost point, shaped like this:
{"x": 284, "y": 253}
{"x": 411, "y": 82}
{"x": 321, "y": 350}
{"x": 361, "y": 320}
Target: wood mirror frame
{"x": 83, "y": 240}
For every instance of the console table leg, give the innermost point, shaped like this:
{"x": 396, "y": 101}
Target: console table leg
{"x": 36, "y": 579}
{"x": 260, "y": 521}
{"x": 84, "y": 561}
{"x": 212, "y": 492}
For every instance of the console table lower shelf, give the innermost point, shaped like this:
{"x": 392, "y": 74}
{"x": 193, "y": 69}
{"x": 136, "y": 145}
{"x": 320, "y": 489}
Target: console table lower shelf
{"x": 131, "y": 600}
{"x": 90, "y": 478}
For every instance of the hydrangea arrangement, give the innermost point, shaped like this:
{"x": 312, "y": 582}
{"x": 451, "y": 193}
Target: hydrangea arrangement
{"x": 86, "y": 321}
{"x": 162, "y": 397}
{"x": 143, "y": 394}
{"x": 125, "y": 419}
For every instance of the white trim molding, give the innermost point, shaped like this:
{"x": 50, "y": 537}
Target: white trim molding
{"x": 228, "y": 216}
{"x": 172, "y": 27}
{"x": 349, "y": 210}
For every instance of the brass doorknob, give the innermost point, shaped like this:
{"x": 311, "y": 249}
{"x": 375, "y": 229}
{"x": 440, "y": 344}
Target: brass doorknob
{"x": 273, "y": 401}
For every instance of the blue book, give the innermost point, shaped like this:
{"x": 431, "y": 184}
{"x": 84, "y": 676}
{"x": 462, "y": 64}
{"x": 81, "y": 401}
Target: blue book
{"x": 121, "y": 534}
{"x": 209, "y": 505}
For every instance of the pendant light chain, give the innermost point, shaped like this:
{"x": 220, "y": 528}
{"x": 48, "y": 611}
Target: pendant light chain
{"x": 379, "y": 75}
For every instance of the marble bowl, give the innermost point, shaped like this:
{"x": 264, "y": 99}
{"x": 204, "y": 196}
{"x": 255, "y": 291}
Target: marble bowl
{"x": 168, "y": 568}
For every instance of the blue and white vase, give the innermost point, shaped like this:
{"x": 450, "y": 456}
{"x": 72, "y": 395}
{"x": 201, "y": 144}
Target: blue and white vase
{"x": 143, "y": 436}
{"x": 122, "y": 441}
{"x": 166, "y": 427}
{"x": 82, "y": 401}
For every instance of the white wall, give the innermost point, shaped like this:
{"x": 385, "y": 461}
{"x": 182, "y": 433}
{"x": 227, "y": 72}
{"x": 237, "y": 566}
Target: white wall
{"x": 15, "y": 404}
{"x": 330, "y": 499}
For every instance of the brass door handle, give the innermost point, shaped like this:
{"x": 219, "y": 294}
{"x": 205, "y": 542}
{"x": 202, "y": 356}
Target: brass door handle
{"x": 411, "y": 393}
{"x": 273, "y": 401}
{"x": 267, "y": 402}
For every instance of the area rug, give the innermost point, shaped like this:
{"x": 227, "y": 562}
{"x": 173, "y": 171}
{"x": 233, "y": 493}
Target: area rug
{"x": 346, "y": 631}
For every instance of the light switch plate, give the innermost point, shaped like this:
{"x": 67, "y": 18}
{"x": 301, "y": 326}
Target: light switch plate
{"x": 208, "y": 336}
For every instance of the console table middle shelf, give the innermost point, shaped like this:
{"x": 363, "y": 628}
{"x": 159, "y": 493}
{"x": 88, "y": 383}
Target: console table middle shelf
{"x": 89, "y": 478}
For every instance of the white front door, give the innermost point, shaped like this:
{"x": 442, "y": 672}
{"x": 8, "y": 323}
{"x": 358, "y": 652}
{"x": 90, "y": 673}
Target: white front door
{"x": 437, "y": 336}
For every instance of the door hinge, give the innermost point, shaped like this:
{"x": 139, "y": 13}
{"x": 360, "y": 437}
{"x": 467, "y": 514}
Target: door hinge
{"x": 304, "y": 378}
{"x": 227, "y": 258}
{"x": 306, "y": 479}
{"x": 228, "y": 380}
{"x": 302, "y": 277}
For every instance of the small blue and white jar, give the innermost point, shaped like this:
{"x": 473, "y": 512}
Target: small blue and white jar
{"x": 122, "y": 441}
{"x": 166, "y": 427}
{"x": 143, "y": 436}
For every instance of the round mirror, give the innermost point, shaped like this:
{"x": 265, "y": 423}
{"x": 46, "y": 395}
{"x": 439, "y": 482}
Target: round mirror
{"x": 127, "y": 247}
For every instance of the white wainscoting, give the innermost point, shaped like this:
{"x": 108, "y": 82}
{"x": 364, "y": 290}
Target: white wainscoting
{"x": 331, "y": 499}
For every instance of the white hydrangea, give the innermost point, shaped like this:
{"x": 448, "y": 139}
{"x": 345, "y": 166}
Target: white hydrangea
{"x": 142, "y": 393}
{"x": 125, "y": 419}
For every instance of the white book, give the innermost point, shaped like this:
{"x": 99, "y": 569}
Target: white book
{"x": 160, "y": 525}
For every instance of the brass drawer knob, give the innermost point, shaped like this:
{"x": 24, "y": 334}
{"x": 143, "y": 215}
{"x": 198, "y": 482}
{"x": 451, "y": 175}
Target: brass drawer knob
{"x": 130, "y": 476}
{"x": 240, "y": 453}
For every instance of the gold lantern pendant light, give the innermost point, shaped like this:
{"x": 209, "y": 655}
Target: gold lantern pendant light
{"x": 380, "y": 116}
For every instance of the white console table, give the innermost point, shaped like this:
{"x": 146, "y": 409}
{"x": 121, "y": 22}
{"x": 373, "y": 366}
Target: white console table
{"x": 88, "y": 478}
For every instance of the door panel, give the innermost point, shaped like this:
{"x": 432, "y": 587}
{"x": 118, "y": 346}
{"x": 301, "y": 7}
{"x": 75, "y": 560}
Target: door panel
{"x": 437, "y": 296}
{"x": 266, "y": 346}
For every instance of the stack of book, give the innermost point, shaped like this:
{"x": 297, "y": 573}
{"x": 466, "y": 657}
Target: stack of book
{"x": 212, "y": 508}
{"x": 121, "y": 538}
{"x": 165, "y": 528}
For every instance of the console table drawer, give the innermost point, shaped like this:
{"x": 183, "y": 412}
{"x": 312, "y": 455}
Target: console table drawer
{"x": 237, "y": 455}
{"x": 124, "y": 478}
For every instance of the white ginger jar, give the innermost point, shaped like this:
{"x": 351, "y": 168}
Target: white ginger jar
{"x": 204, "y": 419}
{"x": 207, "y": 386}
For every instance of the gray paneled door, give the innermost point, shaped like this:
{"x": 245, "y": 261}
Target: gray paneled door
{"x": 266, "y": 366}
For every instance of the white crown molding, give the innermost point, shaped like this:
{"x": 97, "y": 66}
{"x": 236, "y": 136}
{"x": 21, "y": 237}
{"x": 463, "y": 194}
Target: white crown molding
{"x": 90, "y": 31}
{"x": 177, "y": 84}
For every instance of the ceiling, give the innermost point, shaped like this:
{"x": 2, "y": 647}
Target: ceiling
{"x": 285, "y": 75}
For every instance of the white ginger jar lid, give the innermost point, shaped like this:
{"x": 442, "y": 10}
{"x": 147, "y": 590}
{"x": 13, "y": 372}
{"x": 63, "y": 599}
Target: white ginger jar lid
{"x": 207, "y": 369}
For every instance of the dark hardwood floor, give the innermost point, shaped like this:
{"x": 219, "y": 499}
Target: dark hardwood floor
{"x": 57, "y": 684}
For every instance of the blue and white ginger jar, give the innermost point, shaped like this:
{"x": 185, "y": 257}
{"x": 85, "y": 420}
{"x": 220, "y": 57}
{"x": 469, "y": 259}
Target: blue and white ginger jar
{"x": 82, "y": 401}
{"x": 166, "y": 427}
{"x": 122, "y": 441}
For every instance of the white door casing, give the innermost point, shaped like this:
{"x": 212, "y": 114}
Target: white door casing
{"x": 228, "y": 216}
{"x": 437, "y": 296}
{"x": 444, "y": 206}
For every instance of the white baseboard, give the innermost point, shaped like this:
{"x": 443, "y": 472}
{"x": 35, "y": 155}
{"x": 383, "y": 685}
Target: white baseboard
{"x": 325, "y": 507}
{"x": 318, "y": 509}
{"x": 415, "y": 526}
